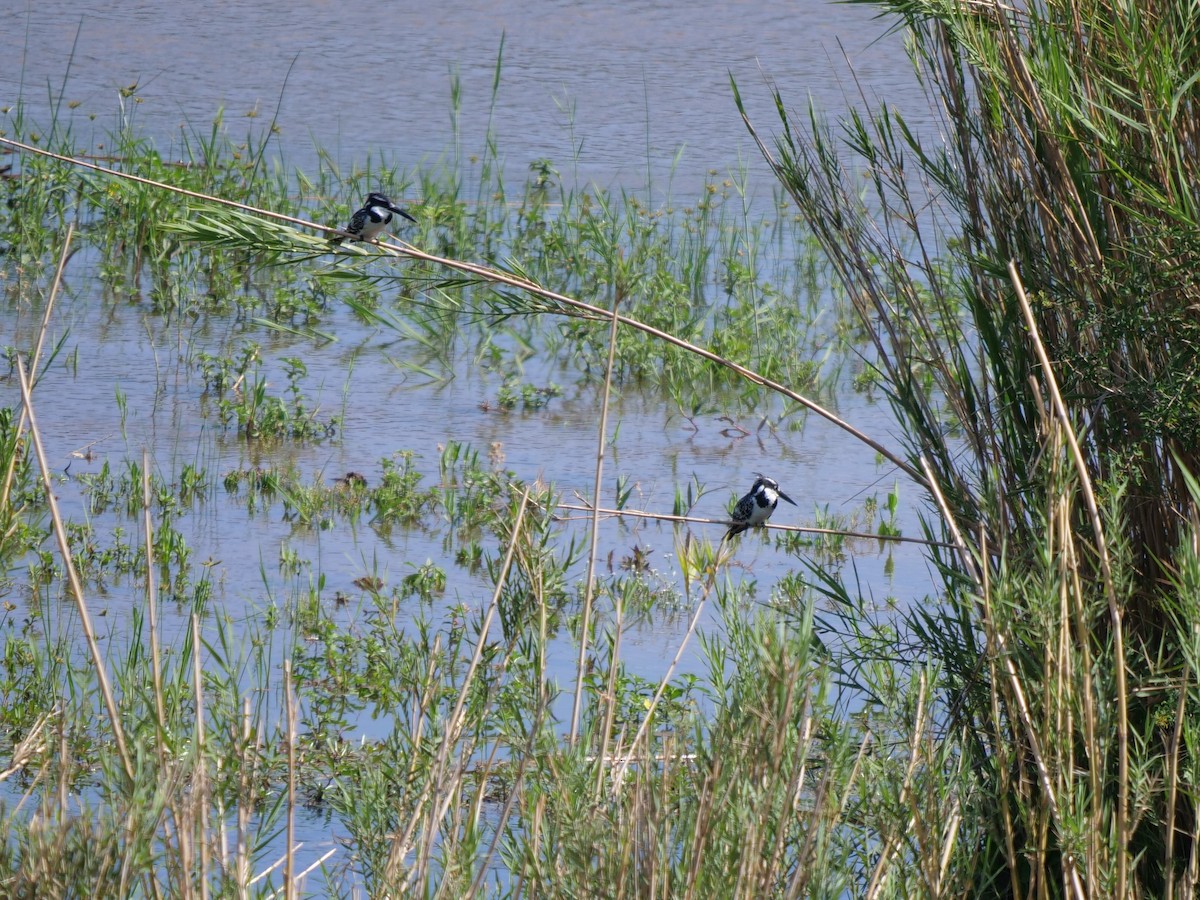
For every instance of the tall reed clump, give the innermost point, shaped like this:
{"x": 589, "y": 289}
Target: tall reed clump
{"x": 1053, "y": 407}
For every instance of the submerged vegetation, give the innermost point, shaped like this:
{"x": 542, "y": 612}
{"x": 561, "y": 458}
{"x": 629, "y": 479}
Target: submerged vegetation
{"x": 1019, "y": 295}
{"x": 187, "y": 733}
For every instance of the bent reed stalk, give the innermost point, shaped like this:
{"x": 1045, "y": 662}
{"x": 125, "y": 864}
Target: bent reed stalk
{"x": 496, "y": 276}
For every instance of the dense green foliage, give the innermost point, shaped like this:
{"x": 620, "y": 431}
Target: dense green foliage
{"x": 1062, "y": 426}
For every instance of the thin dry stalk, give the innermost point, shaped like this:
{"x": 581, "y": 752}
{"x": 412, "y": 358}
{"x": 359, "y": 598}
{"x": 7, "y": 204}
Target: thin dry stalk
{"x": 282, "y": 861}
{"x": 152, "y": 612}
{"x": 701, "y": 833}
{"x": 892, "y": 841}
{"x": 64, "y": 547}
{"x": 514, "y": 792}
{"x": 619, "y": 770}
{"x": 998, "y": 648}
{"x": 797, "y": 787}
{"x": 593, "y": 548}
{"x": 1173, "y": 782}
{"x": 969, "y": 562}
{"x": 610, "y": 694}
{"x": 948, "y": 845}
{"x": 6, "y": 491}
{"x": 1003, "y": 753}
{"x": 421, "y": 707}
{"x": 200, "y": 776}
{"x": 438, "y": 774}
{"x": 300, "y": 876}
{"x": 33, "y": 744}
{"x": 182, "y": 834}
{"x": 1191, "y": 876}
{"x": 289, "y": 705}
{"x": 246, "y": 773}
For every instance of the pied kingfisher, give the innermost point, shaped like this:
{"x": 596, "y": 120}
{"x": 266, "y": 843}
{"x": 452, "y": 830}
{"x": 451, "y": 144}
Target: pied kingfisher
{"x": 756, "y": 507}
{"x": 368, "y": 223}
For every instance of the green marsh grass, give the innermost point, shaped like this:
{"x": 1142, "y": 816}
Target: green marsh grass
{"x": 186, "y": 759}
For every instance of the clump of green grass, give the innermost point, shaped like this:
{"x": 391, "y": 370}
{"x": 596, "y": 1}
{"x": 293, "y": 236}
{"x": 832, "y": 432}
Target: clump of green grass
{"x": 239, "y": 390}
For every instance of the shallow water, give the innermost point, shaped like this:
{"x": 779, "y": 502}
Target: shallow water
{"x": 623, "y": 94}
{"x": 628, "y": 95}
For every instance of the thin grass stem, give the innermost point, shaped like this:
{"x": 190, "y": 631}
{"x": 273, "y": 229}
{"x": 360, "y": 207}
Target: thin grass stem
{"x": 589, "y": 588}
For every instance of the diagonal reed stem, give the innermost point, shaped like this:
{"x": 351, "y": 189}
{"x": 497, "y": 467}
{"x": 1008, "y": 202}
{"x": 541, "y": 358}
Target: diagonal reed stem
{"x": 523, "y": 284}
{"x": 64, "y": 547}
{"x": 403, "y": 839}
{"x": 594, "y": 542}
{"x": 37, "y": 353}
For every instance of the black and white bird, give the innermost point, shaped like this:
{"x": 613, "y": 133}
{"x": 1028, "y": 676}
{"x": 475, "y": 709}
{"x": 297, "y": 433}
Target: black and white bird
{"x": 756, "y": 507}
{"x": 370, "y": 221}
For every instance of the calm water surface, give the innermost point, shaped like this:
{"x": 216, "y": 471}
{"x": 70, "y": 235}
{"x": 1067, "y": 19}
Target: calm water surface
{"x": 629, "y": 95}
{"x": 612, "y": 92}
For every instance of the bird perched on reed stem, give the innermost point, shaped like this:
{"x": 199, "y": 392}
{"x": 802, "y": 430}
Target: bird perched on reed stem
{"x": 756, "y": 507}
{"x": 370, "y": 221}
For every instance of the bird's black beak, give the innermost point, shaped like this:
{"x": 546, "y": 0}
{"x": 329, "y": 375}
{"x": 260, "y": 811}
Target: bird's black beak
{"x": 783, "y": 496}
{"x": 400, "y": 212}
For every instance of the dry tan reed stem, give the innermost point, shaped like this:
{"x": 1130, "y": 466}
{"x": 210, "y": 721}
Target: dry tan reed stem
{"x": 273, "y": 866}
{"x": 1173, "y": 781}
{"x": 951, "y": 838}
{"x": 300, "y": 876}
{"x": 514, "y": 791}
{"x": 619, "y": 771}
{"x": 725, "y": 523}
{"x": 403, "y": 840}
{"x": 589, "y": 588}
{"x": 33, "y": 744}
{"x": 289, "y": 705}
{"x": 152, "y": 611}
{"x": 892, "y": 842}
{"x": 523, "y": 284}
{"x": 998, "y": 648}
{"x": 1110, "y": 591}
{"x": 1000, "y": 651}
{"x": 797, "y": 882}
{"x": 976, "y": 569}
{"x": 245, "y": 791}
{"x": 183, "y": 822}
{"x": 1193, "y": 869}
{"x": 73, "y": 576}
{"x": 200, "y": 779}
{"x": 610, "y": 693}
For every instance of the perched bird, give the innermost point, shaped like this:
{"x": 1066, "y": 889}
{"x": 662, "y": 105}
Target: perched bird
{"x": 756, "y": 507}
{"x": 370, "y": 221}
